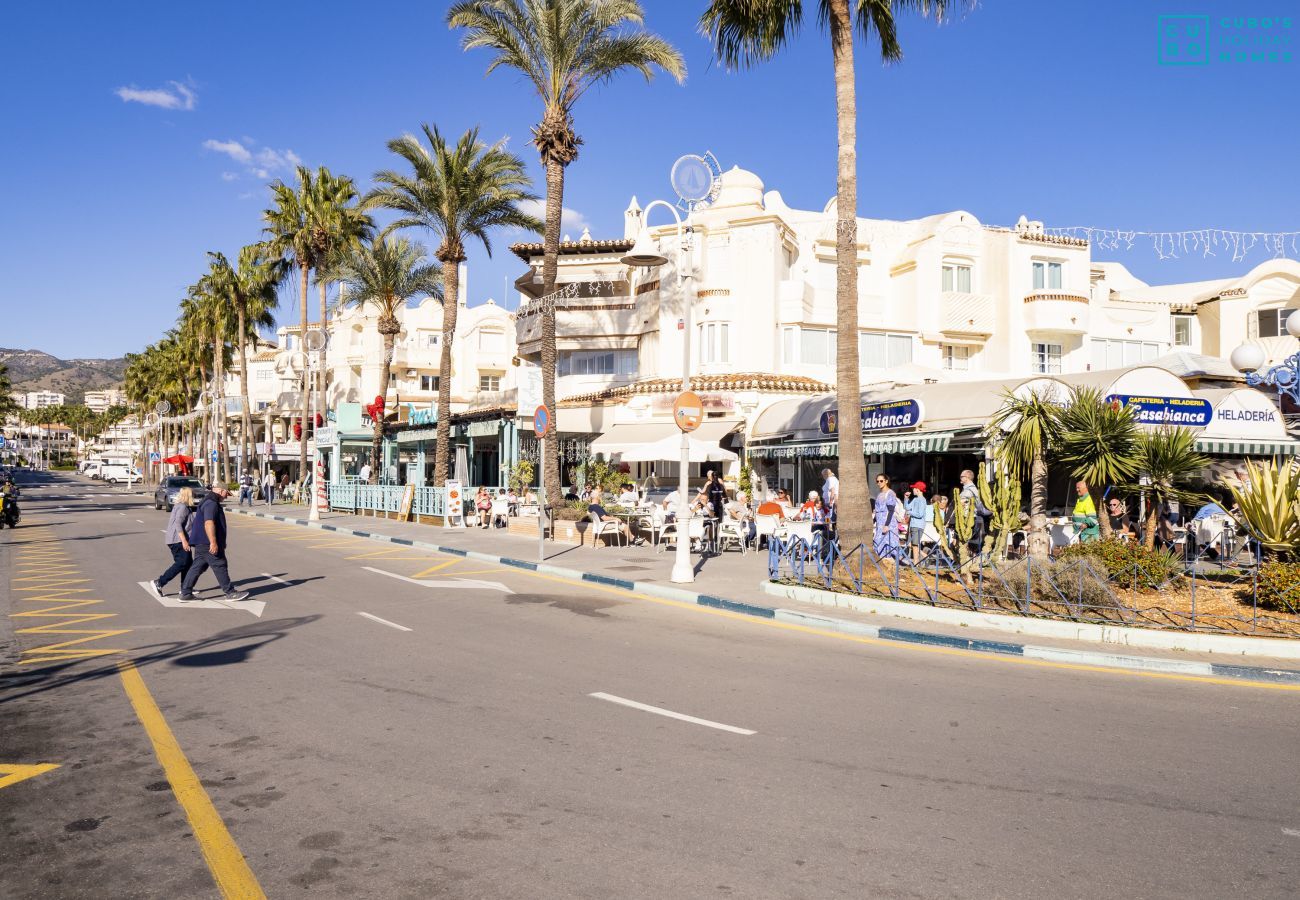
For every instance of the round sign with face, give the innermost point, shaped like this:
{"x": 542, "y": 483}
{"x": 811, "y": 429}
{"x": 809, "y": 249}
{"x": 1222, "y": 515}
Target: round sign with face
{"x": 688, "y": 411}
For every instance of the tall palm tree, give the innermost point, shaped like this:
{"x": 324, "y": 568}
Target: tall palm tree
{"x": 1168, "y": 458}
{"x": 250, "y": 287}
{"x": 1024, "y": 431}
{"x": 564, "y": 48}
{"x": 338, "y": 226}
{"x": 290, "y": 224}
{"x": 458, "y": 192}
{"x": 1098, "y": 444}
{"x": 745, "y": 32}
{"x": 386, "y": 274}
{"x": 8, "y": 406}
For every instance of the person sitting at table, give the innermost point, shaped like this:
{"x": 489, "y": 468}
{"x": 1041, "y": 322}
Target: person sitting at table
{"x": 773, "y": 507}
{"x": 1121, "y": 524}
{"x": 570, "y": 494}
{"x": 529, "y": 497}
{"x": 738, "y": 511}
{"x": 671, "y": 505}
{"x": 483, "y": 503}
{"x": 600, "y": 514}
{"x": 628, "y": 498}
{"x": 512, "y": 501}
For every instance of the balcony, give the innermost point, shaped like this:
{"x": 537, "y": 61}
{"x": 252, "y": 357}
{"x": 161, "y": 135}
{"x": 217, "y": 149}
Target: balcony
{"x": 964, "y": 313}
{"x": 1055, "y": 312}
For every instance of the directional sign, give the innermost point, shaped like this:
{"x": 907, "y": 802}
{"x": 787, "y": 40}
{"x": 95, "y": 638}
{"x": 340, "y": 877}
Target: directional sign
{"x": 155, "y": 457}
{"x": 214, "y": 455}
{"x": 458, "y": 583}
{"x": 542, "y": 421}
{"x": 251, "y": 606}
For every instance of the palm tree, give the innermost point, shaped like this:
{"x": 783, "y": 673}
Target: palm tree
{"x": 385, "y": 274}
{"x": 338, "y": 226}
{"x": 251, "y": 288}
{"x": 1098, "y": 444}
{"x": 564, "y": 48}
{"x": 290, "y": 224}
{"x": 745, "y": 32}
{"x": 1168, "y": 458}
{"x": 8, "y": 406}
{"x": 457, "y": 192}
{"x": 1024, "y": 431}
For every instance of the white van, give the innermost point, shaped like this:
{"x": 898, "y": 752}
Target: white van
{"x": 119, "y": 472}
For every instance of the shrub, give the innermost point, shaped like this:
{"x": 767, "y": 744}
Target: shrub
{"x": 1128, "y": 562}
{"x": 1279, "y": 586}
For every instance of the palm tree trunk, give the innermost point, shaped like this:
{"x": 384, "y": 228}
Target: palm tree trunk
{"x": 320, "y": 403}
{"x": 201, "y": 425}
{"x": 216, "y": 412}
{"x": 377, "y": 441}
{"x": 1153, "y": 522}
{"x": 246, "y": 421}
{"x": 1040, "y": 542}
{"x": 550, "y": 262}
{"x": 1103, "y": 518}
{"x": 302, "y": 396}
{"x": 450, "y": 309}
{"x": 853, "y": 504}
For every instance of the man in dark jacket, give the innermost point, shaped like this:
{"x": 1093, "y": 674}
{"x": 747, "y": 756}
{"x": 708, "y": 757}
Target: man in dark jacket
{"x": 207, "y": 535}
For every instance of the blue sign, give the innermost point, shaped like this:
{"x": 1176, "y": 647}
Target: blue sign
{"x": 214, "y": 455}
{"x": 887, "y": 416}
{"x": 1189, "y": 412}
{"x": 2, "y": 440}
{"x": 421, "y": 416}
{"x": 155, "y": 457}
{"x": 541, "y": 421}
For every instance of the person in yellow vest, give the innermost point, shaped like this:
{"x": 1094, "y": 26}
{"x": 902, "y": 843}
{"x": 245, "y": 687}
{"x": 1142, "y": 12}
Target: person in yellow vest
{"x": 1085, "y": 514}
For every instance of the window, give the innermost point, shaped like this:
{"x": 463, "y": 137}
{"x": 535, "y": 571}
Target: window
{"x": 956, "y": 358}
{"x": 1047, "y": 275}
{"x": 1272, "y": 322}
{"x": 956, "y": 277}
{"x": 265, "y": 374}
{"x": 597, "y": 362}
{"x": 1108, "y": 354}
{"x": 816, "y": 346}
{"x": 429, "y": 340}
{"x": 492, "y": 340}
{"x": 1182, "y": 328}
{"x": 489, "y": 382}
{"x": 1047, "y": 359}
{"x": 877, "y": 350}
{"x": 713, "y": 342}
{"x": 428, "y": 382}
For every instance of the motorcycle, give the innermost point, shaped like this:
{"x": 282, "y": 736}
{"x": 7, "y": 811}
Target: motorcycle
{"x": 9, "y": 513}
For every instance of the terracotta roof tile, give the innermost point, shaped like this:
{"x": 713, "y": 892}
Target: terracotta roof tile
{"x": 526, "y": 251}
{"x": 744, "y": 381}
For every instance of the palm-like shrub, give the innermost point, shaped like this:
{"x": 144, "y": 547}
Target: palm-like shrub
{"x": 1098, "y": 443}
{"x": 1168, "y": 458}
{"x": 1269, "y": 506}
{"x": 1024, "y": 431}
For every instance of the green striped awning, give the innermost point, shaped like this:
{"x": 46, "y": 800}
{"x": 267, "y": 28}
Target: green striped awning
{"x": 1227, "y": 447}
{"x": 936, "y": 442}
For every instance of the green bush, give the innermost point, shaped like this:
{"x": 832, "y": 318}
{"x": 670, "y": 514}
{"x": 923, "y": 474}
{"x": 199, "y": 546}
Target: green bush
{"x": 1127, "y": 562}
{"x": 1279, "y": 586}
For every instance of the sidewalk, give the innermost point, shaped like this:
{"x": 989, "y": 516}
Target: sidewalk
{"x": 739, "y": 583}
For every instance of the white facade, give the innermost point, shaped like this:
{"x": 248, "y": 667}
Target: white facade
{"x": 39, "y": 399}
{"x": 101, "y": 401}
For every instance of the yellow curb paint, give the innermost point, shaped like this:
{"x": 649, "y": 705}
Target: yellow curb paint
{"x": 229, "y": 868}
{"x": 12, "y": 774}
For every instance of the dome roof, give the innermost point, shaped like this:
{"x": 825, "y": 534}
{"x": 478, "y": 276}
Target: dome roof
{"x": 740, "y": 188}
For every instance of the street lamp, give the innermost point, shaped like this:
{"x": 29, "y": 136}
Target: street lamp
{"x": 646, "y": 254}
{"x": 1285, "y": 376}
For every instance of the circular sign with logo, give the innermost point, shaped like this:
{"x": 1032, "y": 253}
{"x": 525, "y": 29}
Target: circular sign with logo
{"x": 542, "y": 421}
{"x": 688, "y": 411}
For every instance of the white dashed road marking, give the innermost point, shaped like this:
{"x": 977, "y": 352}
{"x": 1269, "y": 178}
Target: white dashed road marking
{"x": 658, "y": 711}
{"x": 385, "y": 622}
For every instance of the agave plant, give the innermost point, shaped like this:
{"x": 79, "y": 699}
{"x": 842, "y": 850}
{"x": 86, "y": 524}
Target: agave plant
{"x": 1269, "y": 505}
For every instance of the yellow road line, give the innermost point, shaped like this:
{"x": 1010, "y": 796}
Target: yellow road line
{"x": 381, "y": 553}
{"x": 436, "y": 568}
{"x": 229, "y": 868}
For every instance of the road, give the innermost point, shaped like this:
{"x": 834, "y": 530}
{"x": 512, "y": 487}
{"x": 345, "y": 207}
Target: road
{"x": 400, "y": 724}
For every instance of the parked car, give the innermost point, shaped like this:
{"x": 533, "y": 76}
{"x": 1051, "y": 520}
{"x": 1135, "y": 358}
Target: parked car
{"x": 165, "y": 495}
{"x": 117, "y": 472}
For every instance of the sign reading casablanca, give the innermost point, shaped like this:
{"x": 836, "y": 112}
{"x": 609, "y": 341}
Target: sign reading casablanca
{"x": 1190, "y": 412}
{"x": 887, "y": 416}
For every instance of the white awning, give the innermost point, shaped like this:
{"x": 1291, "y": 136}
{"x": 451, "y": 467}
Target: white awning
{"x": 622, "y": 438}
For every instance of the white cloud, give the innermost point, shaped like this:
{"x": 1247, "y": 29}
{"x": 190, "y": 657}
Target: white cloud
{"x": 177, "y": 96}
{"x": 570, "y": 219}
{"x": 260, "y": 162}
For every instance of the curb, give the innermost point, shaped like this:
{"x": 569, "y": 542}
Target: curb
{"x": 812, "y": 620}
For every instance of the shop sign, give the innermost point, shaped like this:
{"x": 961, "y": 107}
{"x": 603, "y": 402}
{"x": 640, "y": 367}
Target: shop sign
{"x": 491, "y": 428}
{"x": 421, "y": 416}
{"x": 327, "y": 435}
{"x": 1245, "y": 415}
{"x": 887, "y": 416}
{"x": 1190, "y": 412}
{"x": 708, "y": 403}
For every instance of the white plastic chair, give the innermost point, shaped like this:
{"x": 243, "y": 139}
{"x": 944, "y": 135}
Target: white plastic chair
{"x": 657, "y": 523}
{"x": 500, "y": 511}
{"x": 731, "y": 532}
{"x": 1062, "y": 535}
{"x": 766, "y": 526}
{"x": 599, "y": 529}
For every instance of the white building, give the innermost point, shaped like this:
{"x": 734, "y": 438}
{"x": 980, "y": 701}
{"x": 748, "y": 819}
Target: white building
{"x": 40, "y": 399}
{"x": 101, "y": 401}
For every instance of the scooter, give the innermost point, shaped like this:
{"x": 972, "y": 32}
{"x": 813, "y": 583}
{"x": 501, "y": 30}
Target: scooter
{"x": 9, "y": 513}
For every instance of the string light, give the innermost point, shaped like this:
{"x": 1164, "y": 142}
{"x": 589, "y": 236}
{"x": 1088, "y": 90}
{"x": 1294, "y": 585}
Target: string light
{"x": 1175, "y": 244}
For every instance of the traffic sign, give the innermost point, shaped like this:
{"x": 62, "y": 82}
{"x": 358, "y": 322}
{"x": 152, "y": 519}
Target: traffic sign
{"x": 214, "y": 455}
{"x": 2, "y": 440}
{"x": 688, "y": 411}
{"x": 542, "y": 421}
{"x": 155, "y": 457}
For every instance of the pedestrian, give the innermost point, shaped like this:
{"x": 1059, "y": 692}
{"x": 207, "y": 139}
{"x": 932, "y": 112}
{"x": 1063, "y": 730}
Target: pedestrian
{"x": 365, "y": 473}
{"x": 885, "y": 516}
{"x": 1085, "y": 518}
{"x": 246, "y": 488}
{"x": 830, "y": 489}
{"x": 284, "y": 487}
{"x": 919, "y": 515}
{"x": 207, "y": 535}
{"x": 268, "y": 487}
{"x": 177, "y": 540}
{"x": 715, "y": 492}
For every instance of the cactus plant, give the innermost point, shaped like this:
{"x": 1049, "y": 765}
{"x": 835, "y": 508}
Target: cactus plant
{"x": 963, "y": 522}
{"x": 1001, "y": 496}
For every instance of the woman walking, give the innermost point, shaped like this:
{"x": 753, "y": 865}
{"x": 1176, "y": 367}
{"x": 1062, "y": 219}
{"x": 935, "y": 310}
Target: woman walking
{"x": 885, "y": 516}
{"x": 176, "y": 540}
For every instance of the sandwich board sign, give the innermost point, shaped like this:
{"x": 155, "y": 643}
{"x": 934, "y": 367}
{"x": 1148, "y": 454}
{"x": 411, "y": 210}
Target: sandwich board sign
{"x": 453, "y": 515}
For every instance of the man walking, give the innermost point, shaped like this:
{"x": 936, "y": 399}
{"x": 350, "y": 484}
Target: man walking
{"x": 246, "y": 488}
{"x": 207, "y": 535}
{"x": 268, "y": 487}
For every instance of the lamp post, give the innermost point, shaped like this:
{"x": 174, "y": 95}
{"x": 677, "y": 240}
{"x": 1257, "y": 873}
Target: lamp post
{"x": 1285, "y": 376}
{"x": 645, "y": 254}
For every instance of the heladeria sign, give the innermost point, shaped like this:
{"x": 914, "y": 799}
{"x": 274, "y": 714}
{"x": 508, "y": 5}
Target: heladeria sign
{"x": 888, "y": 416}
{"x": 1188, "y": 412}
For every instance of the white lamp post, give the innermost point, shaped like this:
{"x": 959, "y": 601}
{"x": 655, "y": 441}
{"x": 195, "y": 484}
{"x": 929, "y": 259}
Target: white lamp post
{"x": 1285, "y": 376}
{"x": 645, "y": 254}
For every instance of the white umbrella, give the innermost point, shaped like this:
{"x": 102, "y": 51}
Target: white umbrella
{"x": 670, "y": 448}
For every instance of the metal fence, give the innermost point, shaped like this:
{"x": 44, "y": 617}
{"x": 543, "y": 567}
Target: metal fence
{"x": 1201, "y": 591}
{"x": 387, "y": 498}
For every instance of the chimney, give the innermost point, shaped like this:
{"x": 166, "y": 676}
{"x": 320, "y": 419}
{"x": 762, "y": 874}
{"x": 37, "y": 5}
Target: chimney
{"x": 632, "y": 220}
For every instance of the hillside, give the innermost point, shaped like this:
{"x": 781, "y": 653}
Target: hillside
{"x": 34, "y": 370}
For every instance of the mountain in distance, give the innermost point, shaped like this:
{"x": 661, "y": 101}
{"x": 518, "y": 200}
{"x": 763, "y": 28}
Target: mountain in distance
{"x": 35, "y": 370}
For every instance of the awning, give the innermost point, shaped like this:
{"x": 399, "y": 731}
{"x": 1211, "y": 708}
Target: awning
{"x": 621, "y": 438}
{"x": 933, "y": 442}
{"x": 416, "y": 435}
{"x": 1228, "y": 447}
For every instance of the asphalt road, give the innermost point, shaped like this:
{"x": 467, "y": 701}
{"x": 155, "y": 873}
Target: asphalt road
{"x": 447, "y": 743}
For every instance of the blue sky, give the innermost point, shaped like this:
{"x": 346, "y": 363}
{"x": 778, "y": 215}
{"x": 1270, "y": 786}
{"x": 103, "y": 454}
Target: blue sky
{"x": 1059, "y": 111}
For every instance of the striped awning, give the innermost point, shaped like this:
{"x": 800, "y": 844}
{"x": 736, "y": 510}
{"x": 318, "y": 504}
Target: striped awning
{"x": 417, "y": 435}
{"x": 935, "y": 442}
{"x": 1228, "y": 447}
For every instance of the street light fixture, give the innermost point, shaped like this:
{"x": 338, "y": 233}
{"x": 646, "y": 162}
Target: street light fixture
{"x": 1250, "y": 358}
{"x": 645, "y": 254}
